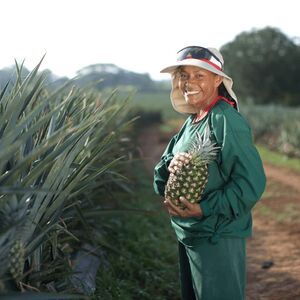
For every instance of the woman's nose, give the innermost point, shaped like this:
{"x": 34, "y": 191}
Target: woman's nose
{"x": 190, "y": 79}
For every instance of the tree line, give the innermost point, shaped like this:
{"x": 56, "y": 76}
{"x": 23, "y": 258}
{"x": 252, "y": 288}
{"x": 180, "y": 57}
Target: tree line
{"x": 265, "y": 66}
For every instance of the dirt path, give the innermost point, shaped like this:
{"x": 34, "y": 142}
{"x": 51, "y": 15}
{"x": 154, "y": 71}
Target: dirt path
{"x": 274, "y": 249}
{"x": 276, "y": 239}
{"x": 284, "y": 176}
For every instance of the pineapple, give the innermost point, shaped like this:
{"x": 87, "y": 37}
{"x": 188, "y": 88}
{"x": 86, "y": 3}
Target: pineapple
{"x": 190, "y": 180}
{"x": 17, "y": 260}
{"x": 12, "y": 223}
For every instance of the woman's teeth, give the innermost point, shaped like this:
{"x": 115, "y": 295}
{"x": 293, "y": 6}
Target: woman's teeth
{"x": 191, "y": 92}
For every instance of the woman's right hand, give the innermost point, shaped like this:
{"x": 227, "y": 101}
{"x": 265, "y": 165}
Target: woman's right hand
{"x": 178, "y": 161}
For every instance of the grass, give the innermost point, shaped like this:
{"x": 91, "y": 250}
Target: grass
{"x": 158, "y": 102}
{"x": 278, "y": 203}
{"x": 146, "y": 266}
{"x": 287, "y": 213}
{"x": 278, "y": 159}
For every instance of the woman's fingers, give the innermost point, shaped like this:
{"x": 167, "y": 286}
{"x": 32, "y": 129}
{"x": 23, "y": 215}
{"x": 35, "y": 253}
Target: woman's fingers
{"x": 170, "y": 207}
{"x": 189, "y": 210}
{"x": 182, "y": 156}
{"x": 173, "y": 169}
{"x": 178, "y": 161}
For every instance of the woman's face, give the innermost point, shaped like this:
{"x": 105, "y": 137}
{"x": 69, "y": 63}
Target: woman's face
{"x": 198, "y": 86}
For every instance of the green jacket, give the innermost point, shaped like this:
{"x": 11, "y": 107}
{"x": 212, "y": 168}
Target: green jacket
{"x": 236, "y": 179}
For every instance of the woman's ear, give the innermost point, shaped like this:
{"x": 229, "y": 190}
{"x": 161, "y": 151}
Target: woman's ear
{"x": 219, "y": 80}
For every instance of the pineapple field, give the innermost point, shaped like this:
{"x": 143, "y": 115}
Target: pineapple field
{"x": 78, "y": 215}
{"x": 66, "y": 157}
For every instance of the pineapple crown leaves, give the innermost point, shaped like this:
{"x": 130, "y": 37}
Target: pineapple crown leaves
{"x": 202, "y": 149}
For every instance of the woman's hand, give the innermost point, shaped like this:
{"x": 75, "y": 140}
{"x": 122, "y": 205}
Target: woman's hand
{"x": 178, "y": 161}
{"x": 190, "y": 210}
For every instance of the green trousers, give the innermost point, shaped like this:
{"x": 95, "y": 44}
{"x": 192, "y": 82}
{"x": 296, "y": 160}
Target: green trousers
{"x": 213, "y": 271}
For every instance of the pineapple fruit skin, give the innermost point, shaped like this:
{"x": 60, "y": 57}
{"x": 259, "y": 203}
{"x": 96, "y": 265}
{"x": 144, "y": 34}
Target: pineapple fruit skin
{"x": 189, "y": 182}
{"x": 17, "y": 260}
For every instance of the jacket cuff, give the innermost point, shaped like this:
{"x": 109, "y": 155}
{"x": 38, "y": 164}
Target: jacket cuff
{"x": 168, "y": 159}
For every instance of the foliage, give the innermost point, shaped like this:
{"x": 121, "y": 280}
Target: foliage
{"x": 276, "y": 127}
{"x": 155, "y": 102}
{"x": 263, "y": 64}
{"x": 146, "y": 266}
{"x": 10, "y": 74}
{"x": 56, "y": 149}
{"x": 278, "y": 159}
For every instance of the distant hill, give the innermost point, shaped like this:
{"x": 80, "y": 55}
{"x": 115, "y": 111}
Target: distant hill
{"x": 100, "y": 76}
{"x": 113, "y": 76}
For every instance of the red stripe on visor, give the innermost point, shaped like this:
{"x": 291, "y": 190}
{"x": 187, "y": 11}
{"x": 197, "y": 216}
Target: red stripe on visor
{"x": 200, "y": 53}
{"x": 207, "y": 61}
{"x": 212, "y": 64}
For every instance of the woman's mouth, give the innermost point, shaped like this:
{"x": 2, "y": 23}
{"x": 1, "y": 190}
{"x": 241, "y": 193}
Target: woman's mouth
{"x": 189, "y": 93}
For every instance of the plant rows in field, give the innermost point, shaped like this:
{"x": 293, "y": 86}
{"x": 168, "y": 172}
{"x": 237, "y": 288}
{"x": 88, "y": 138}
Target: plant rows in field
{"x": 276, "y": 127}
{"x": 64, "y": 155}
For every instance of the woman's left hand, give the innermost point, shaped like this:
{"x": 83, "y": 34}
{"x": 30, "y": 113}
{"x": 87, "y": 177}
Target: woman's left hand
{"x": 191, "y": 209}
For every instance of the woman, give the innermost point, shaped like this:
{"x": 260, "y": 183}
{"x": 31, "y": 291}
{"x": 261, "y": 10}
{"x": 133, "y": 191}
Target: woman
{"x": 211, "y": 233}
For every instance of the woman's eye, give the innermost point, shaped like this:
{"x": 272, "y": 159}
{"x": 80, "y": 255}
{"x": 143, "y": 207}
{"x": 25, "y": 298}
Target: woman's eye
{"x": 198, "y": 76}
{"x": 183, "y": 76}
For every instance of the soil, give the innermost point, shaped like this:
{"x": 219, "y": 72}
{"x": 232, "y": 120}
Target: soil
{"x": 274, "y": 249}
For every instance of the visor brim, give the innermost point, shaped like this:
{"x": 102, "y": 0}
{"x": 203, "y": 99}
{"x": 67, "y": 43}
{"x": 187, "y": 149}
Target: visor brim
{"x": 193, "y": 62}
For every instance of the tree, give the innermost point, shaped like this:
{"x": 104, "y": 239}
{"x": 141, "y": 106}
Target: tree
{"x": 265, "y": 65}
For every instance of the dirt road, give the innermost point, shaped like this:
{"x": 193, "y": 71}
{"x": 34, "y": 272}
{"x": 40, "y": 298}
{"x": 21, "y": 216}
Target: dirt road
{"x": 274, "y": 249}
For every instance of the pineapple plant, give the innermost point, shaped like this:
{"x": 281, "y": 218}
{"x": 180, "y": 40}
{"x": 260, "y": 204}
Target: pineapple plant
{"x": 191, "y": 178}
{"x": 58, "y": 148}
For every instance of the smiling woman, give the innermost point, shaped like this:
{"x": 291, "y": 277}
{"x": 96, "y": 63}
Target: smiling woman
{"x": 211, "y": 224}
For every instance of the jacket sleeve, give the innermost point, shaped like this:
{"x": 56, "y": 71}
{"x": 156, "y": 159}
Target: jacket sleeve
{"x": 161, "y": 173}
{"x": 241, "y": 168}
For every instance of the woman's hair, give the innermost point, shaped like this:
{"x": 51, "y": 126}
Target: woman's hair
{"x": 223, "y": 92}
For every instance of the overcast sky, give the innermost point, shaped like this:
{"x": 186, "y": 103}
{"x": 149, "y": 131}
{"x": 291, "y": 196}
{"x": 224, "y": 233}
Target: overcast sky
{"x": 139, "y": 35}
